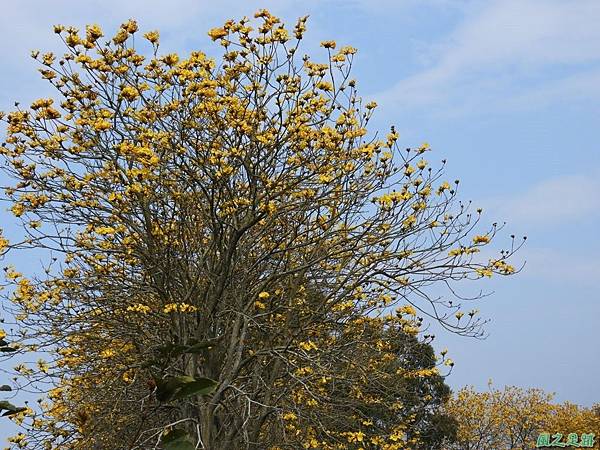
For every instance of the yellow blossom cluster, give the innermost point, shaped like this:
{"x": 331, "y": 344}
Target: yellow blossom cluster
{"x": 179, "y": 307}
{"x": 463, "y": 251}
{"x": 139, "y": 307}
{"x": 308, "y": 346}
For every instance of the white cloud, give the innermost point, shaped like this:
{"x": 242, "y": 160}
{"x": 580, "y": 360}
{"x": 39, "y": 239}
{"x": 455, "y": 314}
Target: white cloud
{"x": 559, "y": 266}
{"x": 580, "y": 86}
{"x": 527, "y": 33}
{"x": 555, "y": 201}
{"x": 504, "y": 49}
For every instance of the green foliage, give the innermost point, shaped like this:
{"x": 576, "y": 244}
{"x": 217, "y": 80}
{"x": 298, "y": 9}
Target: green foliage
{"x": 177, "y": 439}
{"x": 174, "y": 388}
{"x": 10, "y": 408}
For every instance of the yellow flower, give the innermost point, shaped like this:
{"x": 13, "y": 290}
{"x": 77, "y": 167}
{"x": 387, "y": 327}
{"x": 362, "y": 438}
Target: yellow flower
{"x": 48, "y": 58}
{"x": 128, "y": 376}
{"x": 179, "y": 307}
{"x": 70, "y": 272}
{"x": 302, "y": 371}
{"x": 325, "y": 178}
{"x": 404, "y": 281}
{"x": 121, "y": 36}
{"x": 217, "y": 33}
{"x": 18, "y": 439}
{"x": 101, "y": 125}
{"x": 264, "y": 295}
{"x": 23, "y": 370}
{"x": 104, "y": 230}
{"x": 355, "y": 437}
{"x": 502, "y": 266}
{"x": 93, "y": 33}
{"x": 308, "y": 346}
{"x": 107, "y": 353}
{"x": 144, "y": 309}
{"x": 129, "y": 93}
{"x": 409, "y": 221}
{"x": 18, "y": 209}
{"x": 479, "y": 239}
{"x": 12, "y": 274}
{"x": 325, "y": 86}
{"x": 185, "y": 307}
{"x": 3, "y": 243}
{"x": 386, "y": 156}
{"x": 171, "y": 59}
{"x": 152, "y": 36}
{"x": 73, "y": 40}
{"x": 114, "y": 197}
{"x": 347, "y": 50}
{"x": 2, "y": 334}
{"x": 48, "y": 74}
{"x": 42, "y": 103}
{"x": 407, "y": 309}
{"x": 444, "y": 186}
{"x": 328, "y": 44}
{"x": 131, "y": 26}
{"x": 43, "y": 365}
{"x": 281, "y": 35}
{"x": 264, "y": 13}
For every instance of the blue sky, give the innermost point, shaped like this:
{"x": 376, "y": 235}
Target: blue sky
{"x": 507, "y": 91}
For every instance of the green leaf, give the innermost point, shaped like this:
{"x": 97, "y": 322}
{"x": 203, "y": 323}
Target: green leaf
{"x": 165, "y": 389}
{"x": 6, "y": 405}
{"x": 177, "y": 439}
{"x": 174, "y": 435}
{"x": 10, "y": 413}
{"x": 200, "y": 386}
{"x": 183, "y": 386}
{"x": 150, "y": 363}
{"x": 5, "y": 387}
{"x": 8, "y": 349}
{"x": 198, "y": 347}
{"x": 183, "y": 379}
{"x": 172, "y": 349}
{"x": 10, "y": 408}
{"x": 192, "y": 346}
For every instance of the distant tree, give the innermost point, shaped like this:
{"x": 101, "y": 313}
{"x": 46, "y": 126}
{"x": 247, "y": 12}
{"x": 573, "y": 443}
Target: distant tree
{"x": 228, "y": 244}
{"x": 514, "y": 418}
{"x": 381, "y": 380}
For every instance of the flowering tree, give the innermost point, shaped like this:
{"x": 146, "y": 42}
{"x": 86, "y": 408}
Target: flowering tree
{"x": 517, "y": 418}
{"x": 227, "y": 247}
